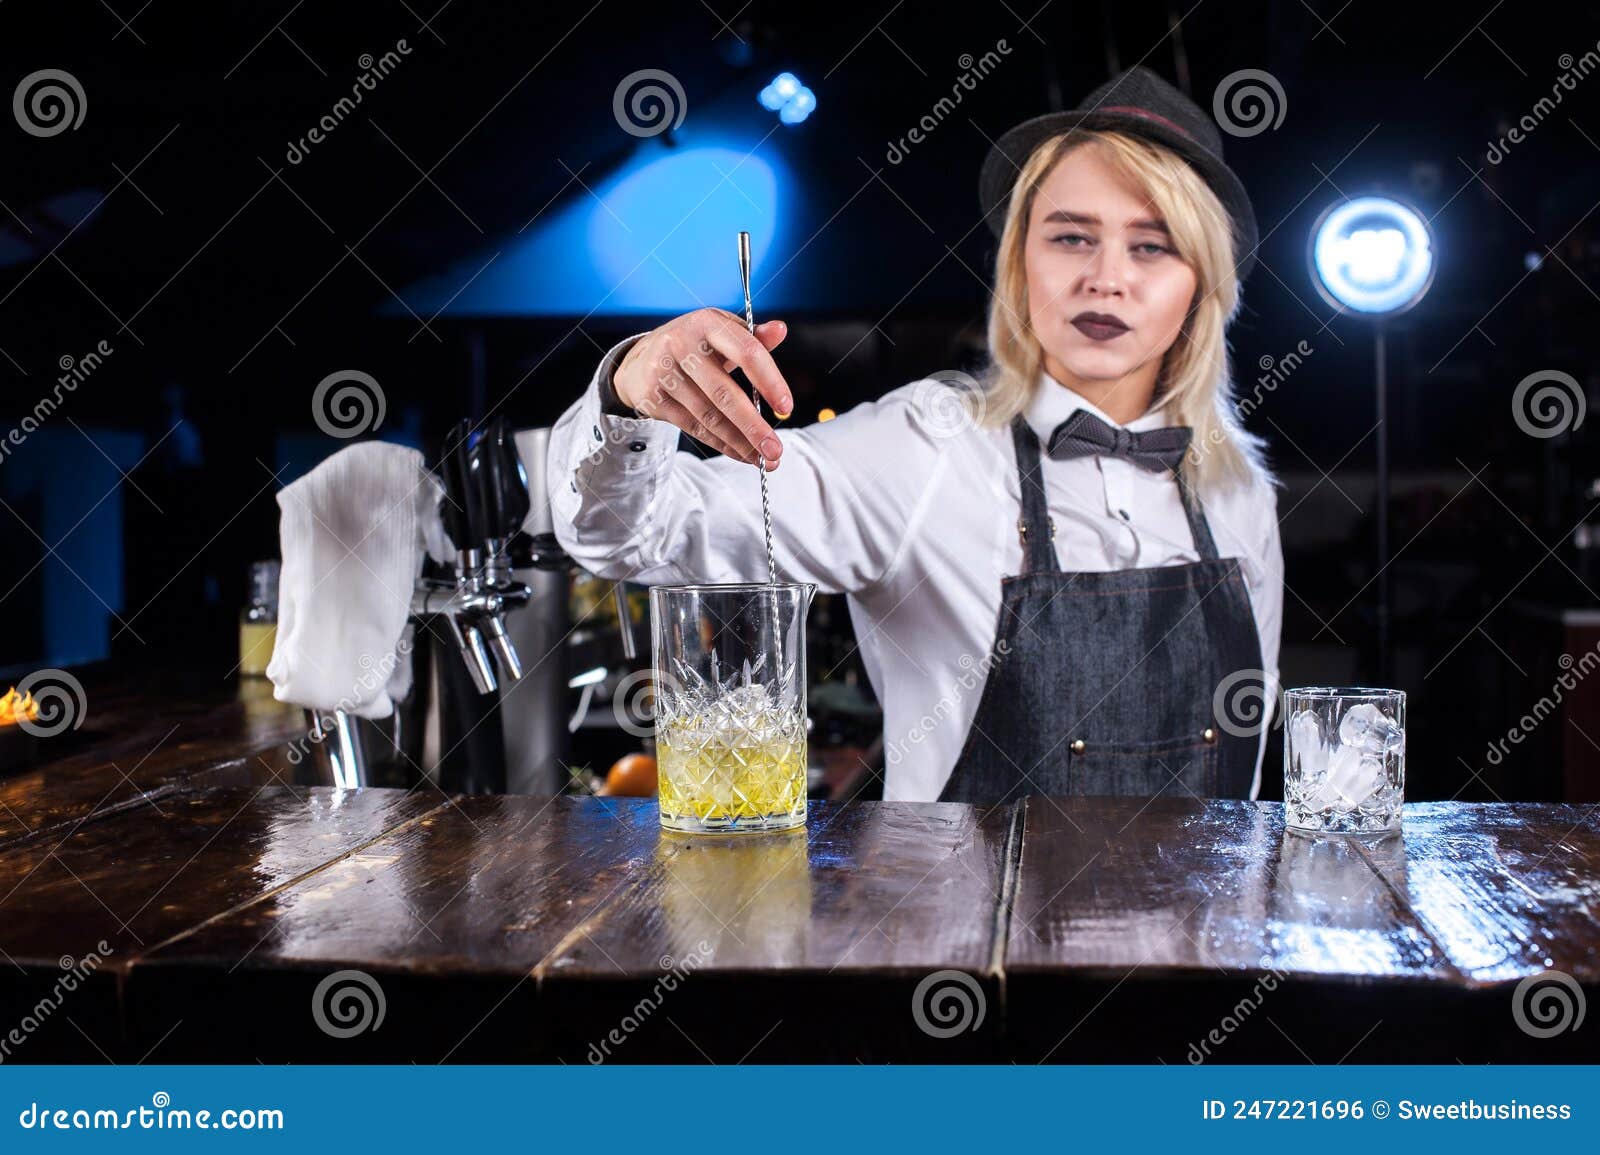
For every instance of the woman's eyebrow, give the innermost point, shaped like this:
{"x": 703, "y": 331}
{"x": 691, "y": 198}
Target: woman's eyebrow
{"x": 1063, "y": 216}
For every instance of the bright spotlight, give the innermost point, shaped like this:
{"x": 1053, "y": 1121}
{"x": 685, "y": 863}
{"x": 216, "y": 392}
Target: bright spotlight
{"x": 790, "y": 99}
{"x": 1372, "y": 255}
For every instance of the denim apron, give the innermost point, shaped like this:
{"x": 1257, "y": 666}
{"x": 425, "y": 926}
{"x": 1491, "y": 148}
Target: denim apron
{"x": 1103, "y": 683}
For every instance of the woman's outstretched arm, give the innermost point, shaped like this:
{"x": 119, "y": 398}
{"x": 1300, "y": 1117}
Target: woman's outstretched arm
{"x": 628, "y": 504}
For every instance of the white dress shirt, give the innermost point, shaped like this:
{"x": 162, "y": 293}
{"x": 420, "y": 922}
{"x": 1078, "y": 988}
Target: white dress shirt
{"x": 908, "y": 508}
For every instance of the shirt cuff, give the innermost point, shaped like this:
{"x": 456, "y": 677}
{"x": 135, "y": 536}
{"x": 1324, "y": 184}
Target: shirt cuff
{"x": 610, "y": 403}
{"x": 613, "y": 447}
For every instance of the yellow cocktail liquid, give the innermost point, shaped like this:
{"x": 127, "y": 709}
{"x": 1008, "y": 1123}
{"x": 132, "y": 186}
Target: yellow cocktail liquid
{"x": 712, "y": 784}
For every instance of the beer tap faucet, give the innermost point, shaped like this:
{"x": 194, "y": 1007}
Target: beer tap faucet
{"x": 503, "y": 499}
{"x": 485, "y": 502}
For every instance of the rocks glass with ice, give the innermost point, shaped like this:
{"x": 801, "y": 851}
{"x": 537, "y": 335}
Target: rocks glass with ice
{"x": 730, "y": 705}
{"x": 1344, "y": 759}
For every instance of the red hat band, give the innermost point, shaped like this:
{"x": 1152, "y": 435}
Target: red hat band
{"x": 1145, "y": 114}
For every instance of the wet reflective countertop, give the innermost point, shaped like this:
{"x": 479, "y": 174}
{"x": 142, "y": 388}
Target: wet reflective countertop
{"x": 203, "y": 901}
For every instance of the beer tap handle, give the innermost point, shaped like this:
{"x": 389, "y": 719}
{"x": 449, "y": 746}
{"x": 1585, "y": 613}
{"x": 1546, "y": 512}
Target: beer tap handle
{"x": 504, "y": 501}
{"x": 503, "y": 481}
{"x": 459, "y": 499}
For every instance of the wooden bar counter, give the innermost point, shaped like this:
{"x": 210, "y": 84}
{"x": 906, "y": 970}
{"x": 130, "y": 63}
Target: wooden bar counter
{"x": 229, "y": 892}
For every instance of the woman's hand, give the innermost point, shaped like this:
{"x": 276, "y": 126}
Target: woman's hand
{"x": 679, "y": 373}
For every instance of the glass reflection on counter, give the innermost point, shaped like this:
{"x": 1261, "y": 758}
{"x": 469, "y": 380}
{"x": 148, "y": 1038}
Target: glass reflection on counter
{"x": 1332, "y": 907}
{"x": 748, "y": 895}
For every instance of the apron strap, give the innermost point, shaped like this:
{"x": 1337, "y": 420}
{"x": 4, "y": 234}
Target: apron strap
{"x": 1036, "y": 528}
{"x": 1204, "y": 544}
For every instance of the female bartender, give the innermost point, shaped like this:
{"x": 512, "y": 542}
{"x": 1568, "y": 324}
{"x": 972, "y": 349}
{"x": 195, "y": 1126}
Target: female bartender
{"x": 1058, "y": 582}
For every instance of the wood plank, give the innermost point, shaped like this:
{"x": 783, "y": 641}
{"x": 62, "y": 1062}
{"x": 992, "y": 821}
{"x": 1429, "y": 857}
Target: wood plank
{"x": 449, "y": 918}
{"x": 1508, "y": 890}
{"x": 805, "y": 946}
{"x": 498, "y": 916}
{"x": 1183, "y": 931}
{"x": 1141, "y": 927}
{"x": 1203, "y": 886}
{"x": 134, "y": 746}
{"x": 148, "y": 874}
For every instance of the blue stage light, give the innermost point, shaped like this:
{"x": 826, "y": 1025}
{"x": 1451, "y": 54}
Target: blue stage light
{"x": 790, "y": 99}
{"x": 657, "y": 236}
{"x": 799, "y": 107}
{"x": 652, "y": 238}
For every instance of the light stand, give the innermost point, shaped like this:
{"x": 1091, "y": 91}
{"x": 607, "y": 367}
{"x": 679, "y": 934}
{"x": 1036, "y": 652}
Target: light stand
{"x": 1372, "y": 257}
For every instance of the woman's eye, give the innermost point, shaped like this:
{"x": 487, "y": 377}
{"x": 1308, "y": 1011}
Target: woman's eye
{"x": 1081, "y": 240}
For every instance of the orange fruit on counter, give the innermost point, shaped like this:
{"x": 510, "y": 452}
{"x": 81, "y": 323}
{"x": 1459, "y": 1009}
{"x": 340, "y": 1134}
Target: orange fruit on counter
{"x": 631, "y": 776}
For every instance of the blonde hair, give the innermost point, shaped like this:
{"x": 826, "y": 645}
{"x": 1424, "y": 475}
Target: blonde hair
{"x": 1195, "y": 381}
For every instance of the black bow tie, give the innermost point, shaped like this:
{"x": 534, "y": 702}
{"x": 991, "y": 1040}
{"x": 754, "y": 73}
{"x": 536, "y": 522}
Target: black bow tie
{"x": 1085, "y": 435}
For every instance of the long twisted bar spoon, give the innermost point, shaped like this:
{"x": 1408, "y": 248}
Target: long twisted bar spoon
{"x": 755, "y": 397}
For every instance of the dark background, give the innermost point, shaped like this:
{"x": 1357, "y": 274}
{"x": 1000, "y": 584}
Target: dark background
{"x": 228, "y": 282}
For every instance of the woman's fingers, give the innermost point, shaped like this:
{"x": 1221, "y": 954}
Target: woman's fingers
{"x": 769, "y": 333}
{"x": 687, "y": 382}
{"x": 727, "y": 411}
{"x": 664, "y": 408}
{"x": 749, "y": 352}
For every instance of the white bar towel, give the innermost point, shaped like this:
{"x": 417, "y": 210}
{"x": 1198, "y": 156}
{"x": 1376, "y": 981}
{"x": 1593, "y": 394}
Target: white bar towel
{"x": 353, "y": 534}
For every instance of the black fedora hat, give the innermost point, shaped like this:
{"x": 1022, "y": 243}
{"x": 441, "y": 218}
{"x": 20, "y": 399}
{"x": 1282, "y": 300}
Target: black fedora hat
{"x": 1139, "y": 103}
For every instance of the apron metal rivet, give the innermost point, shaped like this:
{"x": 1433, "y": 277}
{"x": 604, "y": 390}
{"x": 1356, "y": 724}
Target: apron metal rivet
{"x": 1210, "y": 735}
{"x": 1077, "y": 746}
